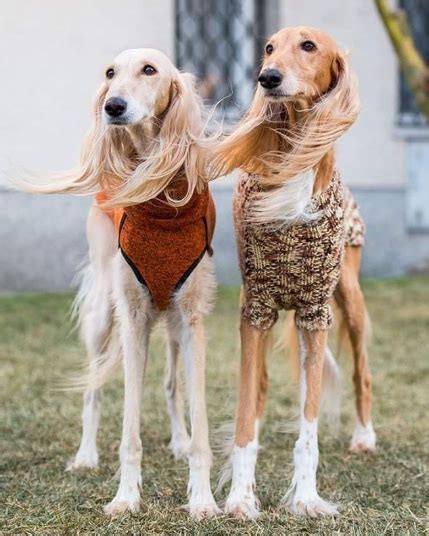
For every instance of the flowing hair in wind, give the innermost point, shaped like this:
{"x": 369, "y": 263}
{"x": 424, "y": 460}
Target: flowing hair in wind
{"x": 176, "y": 146}
{"x": 279, "y": 141}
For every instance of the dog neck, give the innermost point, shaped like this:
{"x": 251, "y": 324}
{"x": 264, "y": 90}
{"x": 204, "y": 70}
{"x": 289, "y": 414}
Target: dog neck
{"x": 141, "y": 135}
{"x": 289, "y": 202}
{"x": 324, "y": 170}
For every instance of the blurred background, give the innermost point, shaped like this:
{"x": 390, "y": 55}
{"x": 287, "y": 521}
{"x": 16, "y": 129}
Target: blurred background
{"x": 53, "y": 59}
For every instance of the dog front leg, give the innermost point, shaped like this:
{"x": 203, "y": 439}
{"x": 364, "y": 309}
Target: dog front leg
{"x": 302, "y": 498}
{"x": 134, "y": 328}
{"x": 242, "y": 502}
{"x": 192, "y": 343}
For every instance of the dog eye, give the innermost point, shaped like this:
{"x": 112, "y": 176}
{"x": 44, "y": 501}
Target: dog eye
{"x": 308, "y": 46}
{"x": 148, "y": 69}
{"x": 269, "y": 49}
{"x": 110, "y": 73}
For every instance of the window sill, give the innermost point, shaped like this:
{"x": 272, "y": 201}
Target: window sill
{"x": 410, "y": 133}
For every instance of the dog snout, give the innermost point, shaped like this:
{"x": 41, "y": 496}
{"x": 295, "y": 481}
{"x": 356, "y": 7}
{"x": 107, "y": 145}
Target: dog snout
{"x": 270, "y": 78}
{"x": 115, "y": 106}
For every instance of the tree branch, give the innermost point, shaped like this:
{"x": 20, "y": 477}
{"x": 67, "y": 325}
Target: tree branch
{"x": 413, "y": 66}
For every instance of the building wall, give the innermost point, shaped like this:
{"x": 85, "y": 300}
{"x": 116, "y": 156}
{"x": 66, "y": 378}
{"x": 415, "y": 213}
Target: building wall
{"x": 53, "y": 58}
{"x": 53, "y": 63}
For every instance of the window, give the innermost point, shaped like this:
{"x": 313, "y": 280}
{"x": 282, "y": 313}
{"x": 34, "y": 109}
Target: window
{"x": 221, "y": 42}
{"x": 418, "y": 17}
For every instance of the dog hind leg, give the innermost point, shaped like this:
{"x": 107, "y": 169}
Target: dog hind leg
{"x": 95, "y": 311}
{"x": 352, "y": 303}
{"x": 180, "y": 439}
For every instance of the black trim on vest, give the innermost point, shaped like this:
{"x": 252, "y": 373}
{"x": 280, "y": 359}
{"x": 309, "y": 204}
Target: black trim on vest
{"x": 189, "y": 271}
{"x": 121, "y": 224}
{"x": 134, "y": 268}
{"x": 209, "y": 248}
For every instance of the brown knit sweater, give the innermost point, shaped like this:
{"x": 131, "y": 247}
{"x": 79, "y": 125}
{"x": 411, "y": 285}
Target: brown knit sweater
{"x": 296, "y": 267}
{"x": 163, "y": 244}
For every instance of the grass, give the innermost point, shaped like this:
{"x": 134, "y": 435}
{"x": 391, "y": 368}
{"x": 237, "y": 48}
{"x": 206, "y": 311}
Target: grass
{"x": 384, "y": 493}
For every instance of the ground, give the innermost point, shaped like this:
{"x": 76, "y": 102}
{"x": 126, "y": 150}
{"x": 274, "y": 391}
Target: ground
{"x": 383, "y": 493}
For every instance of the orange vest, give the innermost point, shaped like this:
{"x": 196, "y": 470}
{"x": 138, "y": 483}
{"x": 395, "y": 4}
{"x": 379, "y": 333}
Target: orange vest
{"x": 163, "y": 244}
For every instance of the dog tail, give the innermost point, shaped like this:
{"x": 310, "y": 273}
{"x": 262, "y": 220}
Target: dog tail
{"x": 92, "y": 310}
{"x": 331, "y": 379}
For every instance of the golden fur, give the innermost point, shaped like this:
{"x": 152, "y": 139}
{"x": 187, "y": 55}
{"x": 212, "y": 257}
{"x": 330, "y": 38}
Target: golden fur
{"x": 280, "y": 139}
{"x": 290, "y": 132}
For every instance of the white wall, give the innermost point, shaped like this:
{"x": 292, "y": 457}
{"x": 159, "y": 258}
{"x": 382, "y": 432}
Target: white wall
{"x": 52, "y": 60}
{"x": 371, "y": 154}
{"x": 53, "y": 54}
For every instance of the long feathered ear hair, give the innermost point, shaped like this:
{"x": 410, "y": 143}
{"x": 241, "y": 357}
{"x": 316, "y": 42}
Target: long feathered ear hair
{"x": 106, "y": 155}
{"x": 109, "y": 160}
{"x": 281, "y": 141}
{"x": 179, "y": 149}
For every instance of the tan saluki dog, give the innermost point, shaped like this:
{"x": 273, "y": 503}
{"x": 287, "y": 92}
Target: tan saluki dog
{"x": 306, "y": 98}
{"x": 147, "y": 130}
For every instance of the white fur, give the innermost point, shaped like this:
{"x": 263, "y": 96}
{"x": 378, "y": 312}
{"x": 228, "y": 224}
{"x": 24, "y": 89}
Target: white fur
{"x": 286, "y": 204}
{"x": 242, "y": 502}
{"x": 110, "y": 283}
{"x": 94, "y": 307}
{"x": 302, "y": 497}
{"x": 363, "y": 439}
{"x": 180, "y": 440}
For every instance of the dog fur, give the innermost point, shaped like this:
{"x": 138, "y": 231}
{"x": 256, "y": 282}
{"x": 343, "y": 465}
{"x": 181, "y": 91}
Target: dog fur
{"x": 134, "y": 158}
{"x": 286, "y": 140}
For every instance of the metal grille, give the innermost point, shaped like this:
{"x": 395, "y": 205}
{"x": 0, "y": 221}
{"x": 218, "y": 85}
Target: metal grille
{"x": 418, "y": 18}
{"x": 221, "y": 42}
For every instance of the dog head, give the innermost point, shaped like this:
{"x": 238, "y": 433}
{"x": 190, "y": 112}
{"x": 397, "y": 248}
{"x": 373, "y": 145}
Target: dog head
{"x": 138, "y": 86}
{"x": 299, "y": 63}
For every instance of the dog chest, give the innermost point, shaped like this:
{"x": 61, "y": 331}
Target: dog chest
{"x": 290, "y": 267}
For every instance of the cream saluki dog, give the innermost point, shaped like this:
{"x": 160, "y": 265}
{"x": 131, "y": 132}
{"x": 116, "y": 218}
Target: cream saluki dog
{"x": 146, "y": 150}
{"x": 293, "y": 218}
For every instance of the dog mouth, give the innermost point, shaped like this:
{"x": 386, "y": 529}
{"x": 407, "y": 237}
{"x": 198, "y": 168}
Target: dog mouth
{"x": 118, "y": 121}
{"x": 281, "y": 95}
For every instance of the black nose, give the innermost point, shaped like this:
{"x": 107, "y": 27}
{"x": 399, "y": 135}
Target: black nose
{"x": 270, "y": 78}
{"x": 115, "y": 106}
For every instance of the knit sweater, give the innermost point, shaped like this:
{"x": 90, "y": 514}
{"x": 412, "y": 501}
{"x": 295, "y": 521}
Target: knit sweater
{"x": 163, "y": 244}
{"x": 296, "y": 266}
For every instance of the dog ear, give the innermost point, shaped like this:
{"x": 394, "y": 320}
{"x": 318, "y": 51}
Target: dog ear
{"x": 343, "y": 86}
{"x": 177, "y": 150}
{"x": 339, "y": 69}
{"x": 183, "y": 115}
{"x": 182, "y": 133}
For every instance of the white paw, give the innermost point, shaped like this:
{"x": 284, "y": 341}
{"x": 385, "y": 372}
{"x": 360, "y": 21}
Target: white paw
{"x": 199, "y": 511}
{"x": 312, "y": 507}
{"x": 244, "y": 508}
{"x": 179, "y": 446}
{"x": 121, "y": 505}
{"x": 363, "y": 439}
{"x": 83, "y": 460}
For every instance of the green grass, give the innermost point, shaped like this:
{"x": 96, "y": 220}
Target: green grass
{"x": 384, "y": 493}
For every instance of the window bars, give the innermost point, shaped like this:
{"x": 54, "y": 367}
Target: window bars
{"x": 221, "y": 42}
